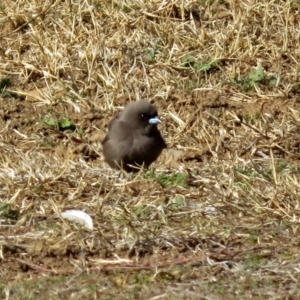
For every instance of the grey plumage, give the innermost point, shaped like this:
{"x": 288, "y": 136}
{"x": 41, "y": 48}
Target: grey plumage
{"x": 133, "y": 137}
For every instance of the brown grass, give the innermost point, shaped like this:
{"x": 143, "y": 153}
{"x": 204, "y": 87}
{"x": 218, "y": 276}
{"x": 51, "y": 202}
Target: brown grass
{"x": 217, "y": 217}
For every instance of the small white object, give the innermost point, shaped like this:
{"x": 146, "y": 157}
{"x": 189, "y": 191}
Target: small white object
{"x": 210, "y": 210}
{"x": 80, "y": 217}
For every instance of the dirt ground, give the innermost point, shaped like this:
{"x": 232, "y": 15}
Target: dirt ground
{"x": 217, "y": 216}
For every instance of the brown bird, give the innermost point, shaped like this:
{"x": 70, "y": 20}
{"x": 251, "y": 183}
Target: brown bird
{"x": 133, "y": 139}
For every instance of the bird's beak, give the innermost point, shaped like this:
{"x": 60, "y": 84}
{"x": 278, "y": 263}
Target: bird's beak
{"x": 154, "y": 120}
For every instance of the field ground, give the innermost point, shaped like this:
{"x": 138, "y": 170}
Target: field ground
{"x": 217, "y": 216}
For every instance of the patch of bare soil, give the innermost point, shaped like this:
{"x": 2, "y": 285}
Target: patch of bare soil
{"x": 217, "y": 216}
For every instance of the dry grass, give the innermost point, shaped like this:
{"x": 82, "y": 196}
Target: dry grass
{"x": 217, "y": 217}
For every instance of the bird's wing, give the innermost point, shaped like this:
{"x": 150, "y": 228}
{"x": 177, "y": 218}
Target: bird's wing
{"x": 111, "y": 123}
{"x": 110, "y": 126}
{"x": 120, "y": 131}
{"x": 117, "y": 145}
{"x": 119, "y": 139}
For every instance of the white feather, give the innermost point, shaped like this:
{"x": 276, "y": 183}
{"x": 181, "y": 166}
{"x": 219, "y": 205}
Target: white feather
{"x": 80, "y": 217}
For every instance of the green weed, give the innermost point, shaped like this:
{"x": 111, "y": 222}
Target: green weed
{"x": 207, "y": 66}
{"x": 4, "y": 84}
{"x": 6, "y": 212}
{"x": 62, "y": 124}
{"x": 179, "y": 179}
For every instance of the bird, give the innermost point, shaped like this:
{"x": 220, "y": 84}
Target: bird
{"x": 133, "y": 139}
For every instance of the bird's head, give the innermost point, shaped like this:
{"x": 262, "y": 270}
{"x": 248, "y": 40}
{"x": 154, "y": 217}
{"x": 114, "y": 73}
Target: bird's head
{"x": 141, "y": 115}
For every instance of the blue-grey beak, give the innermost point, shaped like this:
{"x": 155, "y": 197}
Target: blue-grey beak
{"x": 154, "y": 120}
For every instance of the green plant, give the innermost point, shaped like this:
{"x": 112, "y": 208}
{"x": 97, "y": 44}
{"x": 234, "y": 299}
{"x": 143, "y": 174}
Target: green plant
{"x": 174, "y": 179}
{"x": 247, "y": 171}
{"x": 7, "y": 212}
{"x": 256, "y": 77}
{"x": 150, "y": 54}
{"x": 207, "y": 66}
{"x": 281, "y": 166}
{"x": 142, "y": 211}
{"x": 4, "y": 84}
{"x": 178, "y": 202}
{"x": 62, "y": 124}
